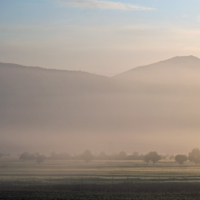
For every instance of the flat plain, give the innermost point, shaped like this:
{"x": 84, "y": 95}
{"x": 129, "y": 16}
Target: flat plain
{"x": 75, "y": 179}
{"x": 97, "y": 171}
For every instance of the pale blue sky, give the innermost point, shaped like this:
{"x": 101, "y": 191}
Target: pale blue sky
{"x": 104, "y": 37}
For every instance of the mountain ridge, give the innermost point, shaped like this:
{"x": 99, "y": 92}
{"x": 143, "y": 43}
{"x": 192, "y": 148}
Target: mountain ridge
{"x": 66, "y": 109}
{"x": 180, "y": 60}
{"x": 13, "y": 65}
{"x": 174, "y": 60}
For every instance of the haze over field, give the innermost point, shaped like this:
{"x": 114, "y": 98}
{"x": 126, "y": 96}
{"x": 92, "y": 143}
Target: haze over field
{"x": 154, "y": 106}
{"x": 99, "y": 85}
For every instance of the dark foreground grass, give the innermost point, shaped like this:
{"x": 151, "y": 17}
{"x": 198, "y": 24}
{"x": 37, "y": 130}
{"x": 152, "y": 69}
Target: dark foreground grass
{"x": 92, "y": 195}
{"x": 146, "y": 191}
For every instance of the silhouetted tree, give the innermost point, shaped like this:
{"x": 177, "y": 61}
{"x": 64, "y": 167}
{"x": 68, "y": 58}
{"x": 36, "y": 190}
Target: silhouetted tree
{"x": 194, "y": 156}
{"x": 27, "y": 156}
{"x": 152, "y": 156}
{"x": 180, "y": 159}
{"x": 87, "y": 156}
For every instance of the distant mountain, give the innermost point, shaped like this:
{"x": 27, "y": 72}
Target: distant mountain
{"x": 31, "y": 79}
{"x": 151, "y": 104}
{"x": 36, "y": 98}
{"x": 178, "y": 70}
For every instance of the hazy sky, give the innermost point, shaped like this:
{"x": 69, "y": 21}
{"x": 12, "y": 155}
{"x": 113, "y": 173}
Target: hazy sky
{"x": 104, "y": 37}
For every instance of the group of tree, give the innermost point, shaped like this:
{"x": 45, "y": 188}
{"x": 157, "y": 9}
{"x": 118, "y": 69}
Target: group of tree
{"x": 193, "y": 156}
{"x": 87, "y": 156}
{"x": 32, "y": 157}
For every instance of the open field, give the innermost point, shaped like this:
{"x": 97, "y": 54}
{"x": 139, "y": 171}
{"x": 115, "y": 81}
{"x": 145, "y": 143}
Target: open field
{"x": 104, "y": 180}
{"x": 95, "y": 172}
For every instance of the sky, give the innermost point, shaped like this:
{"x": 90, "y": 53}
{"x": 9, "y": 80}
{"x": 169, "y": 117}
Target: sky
{"x": 102, "y": 37}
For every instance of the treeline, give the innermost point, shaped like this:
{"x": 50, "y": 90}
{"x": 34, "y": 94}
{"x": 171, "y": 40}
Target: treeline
{"x": 193, "y": 156}
{"x": 87, "y": 156}
{"x": 32, "y": 157}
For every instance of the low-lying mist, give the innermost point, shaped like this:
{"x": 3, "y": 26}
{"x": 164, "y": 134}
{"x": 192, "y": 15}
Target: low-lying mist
{"x": 152, "y": 107}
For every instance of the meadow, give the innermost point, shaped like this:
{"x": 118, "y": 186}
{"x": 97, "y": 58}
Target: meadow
{"x": 67, "y": 179}
{"x": 99, "y": 172}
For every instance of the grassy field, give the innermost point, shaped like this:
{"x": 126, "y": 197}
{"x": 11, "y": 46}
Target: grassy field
{"x": 77, "y": 180}
{"x": 96, "y": 172}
